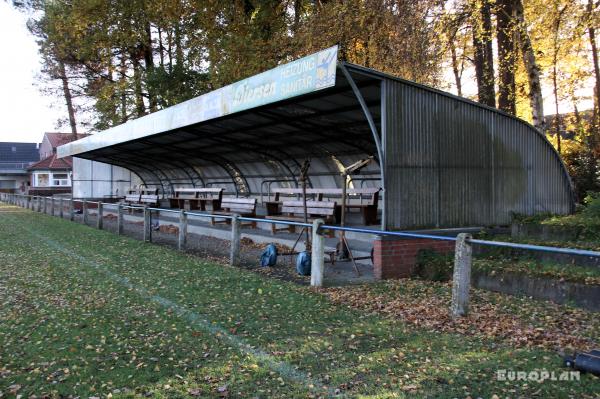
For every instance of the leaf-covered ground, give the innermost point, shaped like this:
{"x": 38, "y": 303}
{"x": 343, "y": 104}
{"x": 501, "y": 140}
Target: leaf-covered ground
{"x": 91, "y": 314}
{"x": 508, "y": 320}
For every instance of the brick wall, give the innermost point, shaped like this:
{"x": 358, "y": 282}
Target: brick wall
{"x": 396, "y": 257}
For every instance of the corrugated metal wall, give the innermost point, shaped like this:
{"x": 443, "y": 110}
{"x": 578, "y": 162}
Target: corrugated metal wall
{"x": 452, "y": 163}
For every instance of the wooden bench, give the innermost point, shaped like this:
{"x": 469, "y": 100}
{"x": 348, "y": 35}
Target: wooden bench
{"x": 142, "y": 196}
{"x": 368, "y": 203}
{"x": 132, "y": 199}
{"x": 365, "y": 199}
{"x": 294, "y": 211}
{"x": 149, "y": 200}
{"x": 241, "y": 206}
{"x": 197, "y": 198}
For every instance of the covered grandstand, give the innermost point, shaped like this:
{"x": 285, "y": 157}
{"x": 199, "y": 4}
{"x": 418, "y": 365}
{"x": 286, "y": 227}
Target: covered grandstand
{"x": 440, "y": 160}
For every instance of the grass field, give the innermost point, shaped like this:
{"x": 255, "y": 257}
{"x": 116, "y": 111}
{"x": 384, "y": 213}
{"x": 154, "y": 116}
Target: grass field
{"x": 87, "y": 313}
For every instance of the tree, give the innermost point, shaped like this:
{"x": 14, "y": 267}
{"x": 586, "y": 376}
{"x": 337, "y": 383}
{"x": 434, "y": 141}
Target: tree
{"x": 592, "y": 20}
{"x": 506, "y": 30}
{"x": 536, "y": 99}
{"x": 483, "y": 55}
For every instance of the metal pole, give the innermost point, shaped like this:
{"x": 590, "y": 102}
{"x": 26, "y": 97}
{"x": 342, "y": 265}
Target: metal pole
{"x": 119, "y": 219}
{"x": 183, "y": 230}
{"x": 462, "y": 276}
{"x": 99, "y": 220}
{"x": 317, "y": 259}
{"x": 343, "y": 248}
{"x": 236, "y": 235}
{"x": 147, "y": 225}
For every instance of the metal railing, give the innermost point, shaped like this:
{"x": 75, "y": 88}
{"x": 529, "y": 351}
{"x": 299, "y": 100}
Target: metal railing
{"x": 463, "y": 241}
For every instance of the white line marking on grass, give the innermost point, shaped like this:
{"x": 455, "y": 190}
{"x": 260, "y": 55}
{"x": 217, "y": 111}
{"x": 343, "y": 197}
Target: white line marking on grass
{"x": 282, "y": 368}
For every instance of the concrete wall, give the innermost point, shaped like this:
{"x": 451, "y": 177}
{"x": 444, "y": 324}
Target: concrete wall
{"x": 93, "y": 179}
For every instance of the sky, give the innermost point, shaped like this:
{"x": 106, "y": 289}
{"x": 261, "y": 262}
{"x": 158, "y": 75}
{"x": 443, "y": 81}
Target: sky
{"x": 25, "y": 114}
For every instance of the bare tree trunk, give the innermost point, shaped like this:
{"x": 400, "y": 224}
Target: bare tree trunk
{"x": 592, "y": 36}
{"x": 557, "y": 116}
{"x": 170, "y": 49}
{"x": 297, "y": 11}
{"x": 178, "y": 48}
{"x": 137, "y": 87}
{"x": 484, "y": 57}
{"x": 149, "y": 62}
{"x": 536, "y": 100}
{"x": 161, "y": 48}
{"x": 123, "y": 73}
{"x": 506, "y": 55}
{"x": 455, "y": 68}
{"x": 68, "y": 98}
{"x": 556, "y": 49}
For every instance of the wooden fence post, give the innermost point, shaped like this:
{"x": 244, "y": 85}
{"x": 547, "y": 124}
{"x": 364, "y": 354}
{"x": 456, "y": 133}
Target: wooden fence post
{"x": 119, "y": 219}
{"x": 84, "y": 209}
{"x": 147, "y": 225}
{"x": 99, "y": 219}
{"x": 462, "y": 276}
{"x": 317, "y": 257}
{"x": 236, "y": 235}
{"x": 182, "y": 230}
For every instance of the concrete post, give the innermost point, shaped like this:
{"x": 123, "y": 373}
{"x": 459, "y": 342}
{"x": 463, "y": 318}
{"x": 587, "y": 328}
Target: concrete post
{"x": 119, "y": 219}
{"x": 61, "y": 210}
{"x": 317, "y": 257}
{"x": 52, "y": 206}
{"x": 71, "y": 209}
{"x": 84, "y": 208}
{"x": 45, "y": 204}
{"x": 236, "y": 235}
{"x": 182, "y": 230}
{"x": 39, "y": 204}
{"x": 29, "y": 204}
{"x": 462, "y": 276}
{"x": 147, "y": 225}
{"x": 99, "y": 219}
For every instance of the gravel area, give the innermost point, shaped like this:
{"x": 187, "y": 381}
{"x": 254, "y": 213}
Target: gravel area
{"x": 206, "y": 247}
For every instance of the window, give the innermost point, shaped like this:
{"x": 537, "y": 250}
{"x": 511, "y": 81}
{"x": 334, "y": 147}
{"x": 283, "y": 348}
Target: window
{"x": 42, "y": 180}
{"x": 60, "y": 179}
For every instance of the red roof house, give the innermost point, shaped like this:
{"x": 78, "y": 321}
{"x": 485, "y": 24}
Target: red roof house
{"x": 52, "y": 175}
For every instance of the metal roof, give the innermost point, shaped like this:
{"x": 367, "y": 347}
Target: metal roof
{"x": 246, "y": 147}
{"x": 19, "y": 152}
